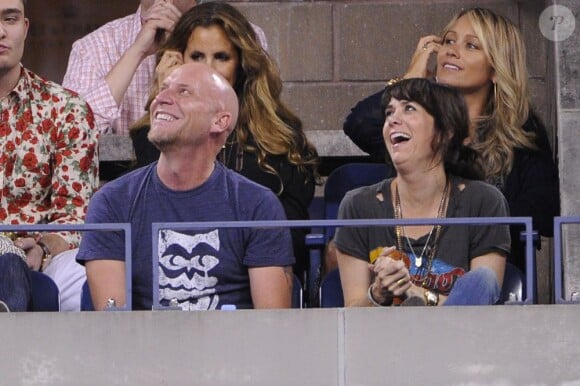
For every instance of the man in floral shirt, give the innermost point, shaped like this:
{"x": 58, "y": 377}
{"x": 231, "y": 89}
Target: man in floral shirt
{"x": 48, "y": 168}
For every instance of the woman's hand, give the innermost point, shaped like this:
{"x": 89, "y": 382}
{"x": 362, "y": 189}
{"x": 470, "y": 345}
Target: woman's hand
{"x": 392, "y": 278}
{"x": 418, "y": 67}
{"x": 168, "y": 62}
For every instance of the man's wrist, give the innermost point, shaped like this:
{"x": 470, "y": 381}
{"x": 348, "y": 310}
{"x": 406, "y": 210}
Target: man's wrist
{"x": 46, "y": 255}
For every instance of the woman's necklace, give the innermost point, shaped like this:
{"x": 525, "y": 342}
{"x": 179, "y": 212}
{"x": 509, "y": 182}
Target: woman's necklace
{"x": 419, "y": 260}
{"x": 437, "y": 228}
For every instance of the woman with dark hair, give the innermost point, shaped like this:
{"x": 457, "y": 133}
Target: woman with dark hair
{"x": 425, "y": 129}
{"x": 483, "y": 55}
{"x": 268, "y": 145}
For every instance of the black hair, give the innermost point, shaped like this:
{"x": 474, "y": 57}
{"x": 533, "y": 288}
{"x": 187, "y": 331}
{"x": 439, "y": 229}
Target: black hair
{"x": 447, "y": 107}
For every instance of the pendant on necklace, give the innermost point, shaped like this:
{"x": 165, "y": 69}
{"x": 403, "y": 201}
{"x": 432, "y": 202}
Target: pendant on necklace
{"x": 418, "y": 261}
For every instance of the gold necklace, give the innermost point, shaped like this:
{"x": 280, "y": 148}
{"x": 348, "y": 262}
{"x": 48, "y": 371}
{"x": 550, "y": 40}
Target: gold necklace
{"x": 431, "y": 251}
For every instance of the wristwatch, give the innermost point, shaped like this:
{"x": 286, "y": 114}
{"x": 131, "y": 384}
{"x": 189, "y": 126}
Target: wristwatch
{"x": 431, "y": 298}
{"x": 46, "y": 255}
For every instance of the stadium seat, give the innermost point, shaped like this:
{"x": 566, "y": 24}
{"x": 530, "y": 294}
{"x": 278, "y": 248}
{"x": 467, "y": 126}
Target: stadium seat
{"x": 45, "y": 294}
{"x": 340, "y": 181}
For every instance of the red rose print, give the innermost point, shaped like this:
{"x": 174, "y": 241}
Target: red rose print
{"x": 60, "y": 202}
{"x": 85, "y": 164}
{"x": 30, "y": 161}
{"x": 78, "y": 201}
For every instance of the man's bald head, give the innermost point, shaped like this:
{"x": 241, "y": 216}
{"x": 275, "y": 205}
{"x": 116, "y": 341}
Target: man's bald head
{"x": 195, "y": 104}
{"x": 219, "y": 91}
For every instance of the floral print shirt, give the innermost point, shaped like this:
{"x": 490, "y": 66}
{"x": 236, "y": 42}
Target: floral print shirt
{"x": 48, "y": 155}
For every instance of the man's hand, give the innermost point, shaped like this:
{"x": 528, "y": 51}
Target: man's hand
{"x": 168, "y": 62}
{"x": 34, "y": 252}
{"x": 157, "y": 22}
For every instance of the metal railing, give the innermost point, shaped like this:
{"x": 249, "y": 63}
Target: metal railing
{"x": 180, "y": 226}
{"x": 105, "y": 227}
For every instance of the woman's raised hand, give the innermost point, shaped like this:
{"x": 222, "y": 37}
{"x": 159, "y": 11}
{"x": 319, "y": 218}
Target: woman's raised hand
{"x": 419, "y": 62}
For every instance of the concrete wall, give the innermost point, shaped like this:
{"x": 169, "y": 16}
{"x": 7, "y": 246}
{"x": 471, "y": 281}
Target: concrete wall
{"x": 568, "y": 86}
{"x": 499, "y": 345}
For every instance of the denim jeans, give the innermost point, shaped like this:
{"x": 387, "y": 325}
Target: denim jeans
{"x": 476, "y": 287}
{"x": 15, "y": 282}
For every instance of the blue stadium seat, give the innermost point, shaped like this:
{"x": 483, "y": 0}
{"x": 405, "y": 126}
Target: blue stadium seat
{"x": 86, "y": 301}
{"x": 45, "y": 294}
{"x": 331, "y": 290}
{"x": 340, "y": 181}
{"x": 514, "y": 285}
{"x": 297, "y": 293}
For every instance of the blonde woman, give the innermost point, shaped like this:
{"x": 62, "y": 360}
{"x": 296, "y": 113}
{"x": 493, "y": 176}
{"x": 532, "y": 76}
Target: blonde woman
{"x": 482, "y": 54}
{"x": 268, "y": 144}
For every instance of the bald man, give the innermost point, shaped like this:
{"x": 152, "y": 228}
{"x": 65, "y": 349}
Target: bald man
{"x": 191, "y": 118}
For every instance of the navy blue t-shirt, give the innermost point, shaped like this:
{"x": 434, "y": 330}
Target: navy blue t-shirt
{"x": 202, "y": 269}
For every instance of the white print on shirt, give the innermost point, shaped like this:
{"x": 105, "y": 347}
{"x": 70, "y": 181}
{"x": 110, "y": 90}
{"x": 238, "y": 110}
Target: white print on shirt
{"x": 184, "y": 273}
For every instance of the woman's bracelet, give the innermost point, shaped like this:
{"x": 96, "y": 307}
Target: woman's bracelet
{"x": 372, "y": 299}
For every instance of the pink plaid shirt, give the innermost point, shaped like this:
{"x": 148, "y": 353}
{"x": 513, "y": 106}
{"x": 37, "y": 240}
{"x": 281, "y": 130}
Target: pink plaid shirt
{"x": 91, "y": 59}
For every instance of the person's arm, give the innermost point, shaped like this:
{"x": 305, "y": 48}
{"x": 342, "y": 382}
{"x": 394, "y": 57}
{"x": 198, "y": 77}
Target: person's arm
{"x": 355, "y": 278}
{"x": 103, "y": 84}
{"x": 75, "y": 168}
{"x": 106, "y": 280}
{"x": 271, "y": 287}
{"x": 161, "y": 16}
{"x": 364, "y": 126}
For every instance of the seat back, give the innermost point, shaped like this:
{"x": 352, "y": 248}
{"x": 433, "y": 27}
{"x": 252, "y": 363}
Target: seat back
{"x": 514, "y": 285}
{"x": 86, "y": 301}
{"x": 348, "y": 177}
{"x": 45, "y": 294}
{"x": 330, "y": 291}
{"x": 297, "y": 293}
{"x": 338, "y": 183}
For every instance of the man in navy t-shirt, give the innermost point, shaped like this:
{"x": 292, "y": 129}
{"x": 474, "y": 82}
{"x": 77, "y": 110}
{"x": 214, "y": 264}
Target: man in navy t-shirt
{"x": 191, "y": 119}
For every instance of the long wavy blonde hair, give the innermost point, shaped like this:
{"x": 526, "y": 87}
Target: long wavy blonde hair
{"x": 500, "y": 128}
{"x": 263, "y": 116}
